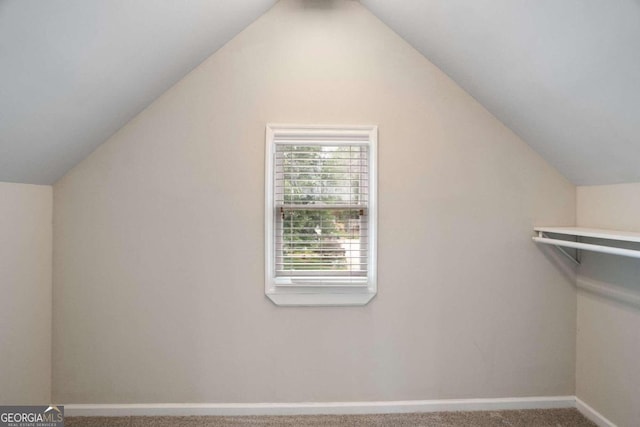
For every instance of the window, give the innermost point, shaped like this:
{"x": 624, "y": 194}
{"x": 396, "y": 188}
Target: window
{"x": 321, "y": 214}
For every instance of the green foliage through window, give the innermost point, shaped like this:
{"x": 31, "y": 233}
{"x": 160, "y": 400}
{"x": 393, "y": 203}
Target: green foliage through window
{"x": 320, "y": 189}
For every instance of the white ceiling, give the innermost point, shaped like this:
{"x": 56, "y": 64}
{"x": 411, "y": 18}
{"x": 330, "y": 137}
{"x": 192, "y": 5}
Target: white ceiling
{"x": 73, "y": 72}
{"x": 564, "y": 75}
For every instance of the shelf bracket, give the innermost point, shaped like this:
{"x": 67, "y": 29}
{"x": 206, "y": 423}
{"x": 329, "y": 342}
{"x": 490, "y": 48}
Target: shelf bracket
{"x": 576, "y": 260}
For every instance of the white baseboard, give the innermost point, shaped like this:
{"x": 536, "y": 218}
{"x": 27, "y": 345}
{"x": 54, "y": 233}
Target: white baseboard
{"x": 592, "y": 414}
{"x": 314, "y": 408}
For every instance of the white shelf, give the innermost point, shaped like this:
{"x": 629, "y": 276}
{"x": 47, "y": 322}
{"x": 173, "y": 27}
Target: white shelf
{"x": 625, "y": 236}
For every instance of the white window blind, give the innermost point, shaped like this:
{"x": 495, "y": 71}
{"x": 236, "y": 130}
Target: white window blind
{"x": 321, "y": 197}
{"x": 321, "y": 214}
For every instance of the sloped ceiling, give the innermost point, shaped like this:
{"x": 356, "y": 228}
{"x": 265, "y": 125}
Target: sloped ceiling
{"x": 564, "y": 75}
{"x": 73, "y": 72}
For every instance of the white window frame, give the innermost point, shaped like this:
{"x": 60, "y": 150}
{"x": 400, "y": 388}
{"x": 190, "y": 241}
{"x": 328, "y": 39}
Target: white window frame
{"x": 330, "y": 291}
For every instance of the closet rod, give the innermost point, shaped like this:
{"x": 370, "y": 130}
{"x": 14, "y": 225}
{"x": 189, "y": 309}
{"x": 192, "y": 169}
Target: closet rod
{"x": 587, "y": 246}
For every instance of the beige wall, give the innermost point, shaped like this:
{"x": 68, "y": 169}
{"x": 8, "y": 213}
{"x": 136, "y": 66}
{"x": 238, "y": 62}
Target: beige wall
{"x": 25, "y": 287}
{"x": 158, "y": 257}
{"x": 608, "y": 372}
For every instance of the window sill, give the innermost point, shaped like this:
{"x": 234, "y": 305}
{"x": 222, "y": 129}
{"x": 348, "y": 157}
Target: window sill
{"x": 325, "y": 298}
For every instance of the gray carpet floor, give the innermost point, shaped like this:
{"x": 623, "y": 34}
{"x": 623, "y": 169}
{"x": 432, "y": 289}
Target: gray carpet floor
{"x": 525, "y": 418}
